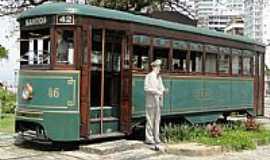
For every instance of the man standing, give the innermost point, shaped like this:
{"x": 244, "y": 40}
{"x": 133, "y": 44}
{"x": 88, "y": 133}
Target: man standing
{"x": 154, "y": 90}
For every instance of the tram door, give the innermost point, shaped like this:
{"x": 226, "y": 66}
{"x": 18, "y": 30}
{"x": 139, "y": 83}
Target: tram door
{"x": 105, "y": 85}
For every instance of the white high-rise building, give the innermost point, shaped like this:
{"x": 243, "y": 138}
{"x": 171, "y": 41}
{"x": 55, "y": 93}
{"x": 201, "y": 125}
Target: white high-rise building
{"x": 203, "y": 8}
{"x": 254, "y": 19}
{"x": 235, "y": 27}
{"x": 266, "y": 22}
{"x": 266, "y": 30}
{"x": 257, "y": 23}
{"x": 216, "y": 14}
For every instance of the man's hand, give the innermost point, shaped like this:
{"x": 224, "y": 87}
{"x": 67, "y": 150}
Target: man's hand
{"x": 166, "y": 91}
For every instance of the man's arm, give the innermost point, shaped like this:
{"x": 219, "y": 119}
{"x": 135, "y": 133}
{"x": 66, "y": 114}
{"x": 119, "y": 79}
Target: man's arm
{"x": 161, "y": 85}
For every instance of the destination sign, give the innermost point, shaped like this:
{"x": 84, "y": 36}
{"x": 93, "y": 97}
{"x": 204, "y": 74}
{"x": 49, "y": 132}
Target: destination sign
{"x": 35, "y": 21}
{"x": 65, "y": 19}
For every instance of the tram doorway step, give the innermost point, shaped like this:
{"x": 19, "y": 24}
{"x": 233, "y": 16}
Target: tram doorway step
{"x": 106, "y": 124}
{"x": 112, "y": 147}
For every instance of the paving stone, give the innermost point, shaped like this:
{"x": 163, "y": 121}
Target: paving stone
{"x": 82, "y": 155}
{"x": 164, "y": 157}
{"x": 134, "y": 154}
{"x": 50, "y": 157}
{"x": 193, "y": 149}
{"x": 9, "y": 151}
{"x": 12, "y": 152}
{"x": 6, "y": 136}
{"x": 5, "y": 143}
{"x": 111, "y": 147}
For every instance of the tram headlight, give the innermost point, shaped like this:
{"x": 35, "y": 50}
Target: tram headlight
{"x": 27, "y": 93}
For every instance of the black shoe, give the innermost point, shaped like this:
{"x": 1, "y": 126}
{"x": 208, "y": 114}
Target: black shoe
{"x": 156, "y": 148}
{"x": 149, "y": 143}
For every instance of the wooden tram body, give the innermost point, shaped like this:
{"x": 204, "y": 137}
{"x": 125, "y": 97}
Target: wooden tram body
{"x": 86, "y": 67}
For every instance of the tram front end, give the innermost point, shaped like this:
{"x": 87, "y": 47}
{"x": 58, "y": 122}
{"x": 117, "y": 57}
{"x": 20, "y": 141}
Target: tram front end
{"x": 48, "y": 105}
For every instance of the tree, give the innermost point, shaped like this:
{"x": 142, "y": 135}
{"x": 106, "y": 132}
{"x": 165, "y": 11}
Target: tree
{"x": 3, "y": 53}
{"x": 16, "y": 6}
{"x": 12, "y": 7}
{"x": 139, "y": 5}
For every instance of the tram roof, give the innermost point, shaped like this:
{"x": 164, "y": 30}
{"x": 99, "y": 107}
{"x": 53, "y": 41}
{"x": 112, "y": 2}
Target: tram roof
{"x": 98, "y": 12}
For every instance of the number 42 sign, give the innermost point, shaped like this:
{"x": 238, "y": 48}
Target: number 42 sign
{"x": 65, "y": 19}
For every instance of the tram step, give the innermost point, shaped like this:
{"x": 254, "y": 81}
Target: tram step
{"x": 104, "y": 119}
{"x": 112, "y": 147}
{"x": 110, "y": 125}
{"x": 106, "y": 135}
{"x": 108, "y": 111}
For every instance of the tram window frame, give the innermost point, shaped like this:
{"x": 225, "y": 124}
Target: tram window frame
{"x": 227, "y": 64}
{"x": 261, "y": 63}
{"x": 182, "y": 64}
{"x": 39, "y": 42}
{"x": 247, "y": 72}
{"x": 96, "y": 55}
{"x": 72, "y": 49}
{"x": 139, "y": 58}
{"x": 213, "y": 64}
{"x": 238, "y": 69}
{"x": 195, "y": 68}
{"x": 254, "y": 65}
{"x": 164, "y": 66}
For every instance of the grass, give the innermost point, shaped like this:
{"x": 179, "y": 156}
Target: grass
{"x": 234, "y": 136}
{"x": 7, "y": 123}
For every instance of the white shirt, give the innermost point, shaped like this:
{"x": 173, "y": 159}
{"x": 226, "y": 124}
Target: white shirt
{"x": 153, "y": 84}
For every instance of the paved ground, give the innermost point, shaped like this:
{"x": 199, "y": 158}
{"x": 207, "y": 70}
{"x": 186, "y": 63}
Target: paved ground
{"x": 29, "y": 151}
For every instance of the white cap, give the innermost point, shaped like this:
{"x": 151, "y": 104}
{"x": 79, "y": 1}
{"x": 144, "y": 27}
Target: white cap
{"x": 156, "y": 63}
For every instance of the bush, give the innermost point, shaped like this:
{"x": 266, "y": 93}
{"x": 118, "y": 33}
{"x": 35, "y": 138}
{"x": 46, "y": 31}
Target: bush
{"x": 7, "y": 101}
{"x": 235, "y": 136}
{"x": 176, "y": 133}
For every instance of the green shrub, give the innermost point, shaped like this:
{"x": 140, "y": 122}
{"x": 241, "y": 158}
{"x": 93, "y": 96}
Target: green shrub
{"x": 8, "y": 101}
{"x": 177, "y": 133}
{"x": 234, "y": 136}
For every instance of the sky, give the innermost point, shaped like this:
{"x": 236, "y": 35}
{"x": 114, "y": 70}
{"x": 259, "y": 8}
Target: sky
{"x": 9, "y": 35}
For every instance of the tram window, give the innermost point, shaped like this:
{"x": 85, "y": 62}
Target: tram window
{"x": 254, "y": 65}
{"x": 163, "y": 55}
{"x": 236, "y": 69}
{"x": 96, "y": 57}
{"x": 179, "y": 61}
{"x": 260, "y": 64}
{"x": 65, "y": 47}
{"x": 112, "y": 58}
{"x": 195, "y": 62}
{"x": 35, "y": 47}
{"x": 246, "y": 65}
{"x": 140, "y": 60}
{"x": 211, "y": 63}
{"x": 224, "y": 63}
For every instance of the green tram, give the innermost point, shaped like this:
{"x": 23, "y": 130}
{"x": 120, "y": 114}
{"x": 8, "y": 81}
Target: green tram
{"x": 82, "y": 72}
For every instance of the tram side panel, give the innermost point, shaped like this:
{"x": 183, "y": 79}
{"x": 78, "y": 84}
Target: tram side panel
{"x": 199, "y": 99}
{"x": 216, "y": 94}
{"x": 242, "y": 93}
{"x": 52, "y": 112}
{"x": 186, "y": 95}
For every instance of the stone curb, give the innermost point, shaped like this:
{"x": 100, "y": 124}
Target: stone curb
{"x": 193, "y": 149}
{"x": 111, "y": 147}
{"x": 186, "y": 149}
